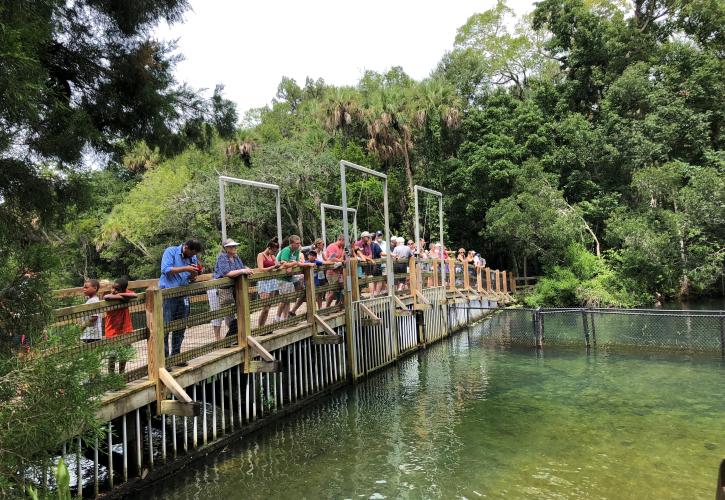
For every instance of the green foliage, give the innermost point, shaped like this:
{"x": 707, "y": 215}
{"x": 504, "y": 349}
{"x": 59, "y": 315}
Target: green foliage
{"x": 583, "y": 279}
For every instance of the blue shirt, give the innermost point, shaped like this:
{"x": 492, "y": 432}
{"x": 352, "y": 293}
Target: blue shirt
{"x": 174, "y": 257}
{"x": 224, "y": 265}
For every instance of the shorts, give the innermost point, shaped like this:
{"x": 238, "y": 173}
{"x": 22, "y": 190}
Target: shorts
{"x": 377, "y": 270}
{"x": 400, "y": 268}
{"x": 267, "y": 286}
{"x": 218, "y": 299}
{"x": 286, "y": 287}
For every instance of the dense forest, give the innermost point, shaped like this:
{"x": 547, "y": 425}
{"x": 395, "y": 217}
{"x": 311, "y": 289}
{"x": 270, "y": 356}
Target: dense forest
{"x": 581, "y": 142}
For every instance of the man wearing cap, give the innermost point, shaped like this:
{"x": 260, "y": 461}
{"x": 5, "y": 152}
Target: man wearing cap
{"x": 379, "y": 240}
{"x": 366, "y": 249}
{"x": 228, "y": 265}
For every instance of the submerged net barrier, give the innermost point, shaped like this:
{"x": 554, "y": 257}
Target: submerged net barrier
{"x": 695, "y": 330}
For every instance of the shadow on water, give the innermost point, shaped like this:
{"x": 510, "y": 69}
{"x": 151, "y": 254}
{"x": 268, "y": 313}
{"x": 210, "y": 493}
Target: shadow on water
{"x": 480, "y": 415}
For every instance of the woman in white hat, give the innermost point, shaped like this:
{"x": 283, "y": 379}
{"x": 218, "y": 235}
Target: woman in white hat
{"x": 228, "y": 265}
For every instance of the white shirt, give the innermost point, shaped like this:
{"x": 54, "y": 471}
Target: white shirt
{"x": 95, "y": 331}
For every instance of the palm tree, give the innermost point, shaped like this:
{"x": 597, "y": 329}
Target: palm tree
{"x": 341, "y": 109}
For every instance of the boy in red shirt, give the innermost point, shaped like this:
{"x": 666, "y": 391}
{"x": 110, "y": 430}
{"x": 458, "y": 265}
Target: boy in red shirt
{"x": 118, "y": 321}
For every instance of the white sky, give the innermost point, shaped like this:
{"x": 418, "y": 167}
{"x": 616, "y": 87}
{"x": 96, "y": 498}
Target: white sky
{"x": 248, "y": 46}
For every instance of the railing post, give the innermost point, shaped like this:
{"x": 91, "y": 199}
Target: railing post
{"x": 498, "y": 281}
{"x": 513, "y": 284}
{"x": 244, "y": 320}
{"x": 310, "y": 297}
{"x": 585, "y": 324}
{"x": 155, "y": 342}
{"x": 479, "y": 283}
{"x": 354, "y": 279}
{"x": 538, "y": 328}
{"x": 505, "y": 283}
{"x": 722, "y": 334}
{"x": 451, "y": 274}
{"x": 466, "y": 280}
{"x": 347, "y": 289}
{"x": 488, "y": 280}
{"x": 594, "y": 329}
{"x": 413, "y": 277}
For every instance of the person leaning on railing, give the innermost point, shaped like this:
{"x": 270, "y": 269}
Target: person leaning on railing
{"x": 228, "y": 265}
{"x": 335, "y": 252}
{"x": 179, "y": 267}
{"x": 266, "y": 261}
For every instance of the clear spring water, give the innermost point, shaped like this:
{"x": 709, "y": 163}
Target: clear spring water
{"x": 471, "y": 419}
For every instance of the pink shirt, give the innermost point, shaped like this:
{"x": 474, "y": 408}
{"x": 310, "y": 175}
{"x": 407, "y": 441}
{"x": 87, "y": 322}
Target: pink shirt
{"x": 333, "y": 251}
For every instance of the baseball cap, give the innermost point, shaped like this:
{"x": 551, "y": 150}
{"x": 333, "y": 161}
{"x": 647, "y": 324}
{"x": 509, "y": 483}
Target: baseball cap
{"x": 230, "y": 243}
{"x": 379, "y": 233}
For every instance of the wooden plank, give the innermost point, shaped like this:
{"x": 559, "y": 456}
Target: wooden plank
{"x": 399, "y": 302}
{"x": 179, "y": 408}
{"x": 259, "y": 349}
{"x": 171, "y": 384}
{"x": 421, "y": 307}
{"x": 255, "y": 366}
{"x": 327, "y": 339}
{"x": 85, "y": 308}
{"x": 422, "y": 298}
{"x": 403, "y": 312}
{"x": 372, "y": 317}
{"x": 325, "y": 327}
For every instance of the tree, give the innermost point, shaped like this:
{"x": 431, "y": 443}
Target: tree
{"x": 505, "y": 58}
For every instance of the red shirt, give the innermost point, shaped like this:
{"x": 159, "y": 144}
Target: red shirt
{"x": 118, "y": 322}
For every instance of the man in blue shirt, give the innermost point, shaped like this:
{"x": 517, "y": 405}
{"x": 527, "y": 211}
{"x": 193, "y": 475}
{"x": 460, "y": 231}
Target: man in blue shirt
{"x": 179, "y": 266}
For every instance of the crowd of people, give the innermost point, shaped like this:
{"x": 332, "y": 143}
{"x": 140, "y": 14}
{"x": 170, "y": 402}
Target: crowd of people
{"x": 180, "y": 266}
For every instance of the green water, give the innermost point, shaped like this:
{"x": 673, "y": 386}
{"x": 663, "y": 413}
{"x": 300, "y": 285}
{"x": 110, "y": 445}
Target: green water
{"x": 470, "y": 419}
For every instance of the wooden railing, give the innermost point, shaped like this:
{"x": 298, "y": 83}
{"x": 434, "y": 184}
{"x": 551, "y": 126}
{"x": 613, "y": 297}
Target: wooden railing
{"x": 175, "y": 326}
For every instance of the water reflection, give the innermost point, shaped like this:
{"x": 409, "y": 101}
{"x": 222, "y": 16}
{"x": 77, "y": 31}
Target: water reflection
{"x": 470, "y": 417}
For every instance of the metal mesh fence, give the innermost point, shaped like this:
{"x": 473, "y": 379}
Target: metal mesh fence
{"x": 649, "y": 328}
{"x": 116, "y": 328}
{"x": 563, "y": 327}
{"x": 277, "y": 301}
{"x": 198, "y": 320}
{"x": 372, "y": 278}
{"x": 511, "y": 326}
{"x": 696, "y": 330}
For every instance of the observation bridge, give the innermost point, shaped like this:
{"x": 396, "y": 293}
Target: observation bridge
{"x": 175, "y": 408}
{"x": 168, "y": 414}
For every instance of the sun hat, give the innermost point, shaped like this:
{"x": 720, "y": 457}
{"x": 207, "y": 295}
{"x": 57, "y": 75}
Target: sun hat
{"x": 230, "y": 243}
{"x": 365, "y": 234}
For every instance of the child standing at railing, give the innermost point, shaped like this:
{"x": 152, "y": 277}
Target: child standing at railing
{"x": 118, "y": 320}
{"x": 313, "y": 258}
{"x": 93, "y": 331}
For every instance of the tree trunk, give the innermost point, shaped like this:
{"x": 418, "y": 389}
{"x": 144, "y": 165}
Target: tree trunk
{"x": 408, "y": 169}
{"x": 684, "y": 281}
{"x": 409, "y": 178}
